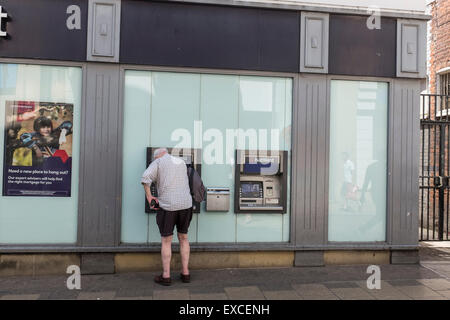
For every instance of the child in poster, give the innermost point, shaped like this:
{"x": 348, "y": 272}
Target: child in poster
{"x": 44, "y": 141}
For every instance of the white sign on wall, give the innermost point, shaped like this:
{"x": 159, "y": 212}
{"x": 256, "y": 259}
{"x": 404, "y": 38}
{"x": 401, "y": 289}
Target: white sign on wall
{"x": 3, "y": 15}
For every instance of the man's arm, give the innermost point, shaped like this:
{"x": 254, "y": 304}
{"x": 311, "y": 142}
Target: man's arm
{"x": 148, "y": 177}
{"x": 148, "y": 195}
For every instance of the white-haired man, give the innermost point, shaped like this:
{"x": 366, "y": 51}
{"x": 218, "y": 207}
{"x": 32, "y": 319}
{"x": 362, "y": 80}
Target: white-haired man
{"x": 169, "y": 173}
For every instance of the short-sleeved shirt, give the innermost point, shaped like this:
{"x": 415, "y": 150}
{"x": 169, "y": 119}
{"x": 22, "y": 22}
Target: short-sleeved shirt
{"x": 349, "y": 167}
{"x": 169, "y": 173}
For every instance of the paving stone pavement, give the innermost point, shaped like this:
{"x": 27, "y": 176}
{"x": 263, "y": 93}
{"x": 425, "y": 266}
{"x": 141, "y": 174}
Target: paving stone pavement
{"x": 428, "y": 280}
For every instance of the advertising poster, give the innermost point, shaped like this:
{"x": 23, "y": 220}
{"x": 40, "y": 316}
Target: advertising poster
{"x": 38, "y": 149}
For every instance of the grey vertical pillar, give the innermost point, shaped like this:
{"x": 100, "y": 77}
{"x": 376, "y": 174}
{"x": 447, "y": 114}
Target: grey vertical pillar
{"x": 403, "y": 163}
{"x": 101, "y": 133}
{"x": 100, "y": 161}
{"x": 310, "y": 167}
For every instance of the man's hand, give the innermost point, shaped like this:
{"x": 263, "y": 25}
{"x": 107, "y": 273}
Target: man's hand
{"x": 149, "y": 196}
{"x": 150, "y": 199}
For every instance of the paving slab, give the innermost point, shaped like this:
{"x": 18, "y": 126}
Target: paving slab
{"x": 436, "y": 284}
{"x": 340, "y": 284}
{"x": 386, "y": 292}
{"x": 445, "y": 293}
{"x": 312, "y": 283}
{"x": 282, "y": 295}
{"x": 320, "y": 297}
{"x": 311, "y": 289}
{"x": 352, "y": 294}
{"x": 392, "y": 297}
{"x": 364, "y": 297}
{"x": 171, "y": 294}
{"x": 266, "y": 286}
{"x": 20, "y": 297}
{"x": 63, "y": 295}
{"x": 384, "y": 286}
{"x": 134, "y": 292}
{"x": 209, "y": 296}
{"x": 436, "y": 244}
{"x": 431, "y": 298}
{"x": 135, "y": 298}
{"x": 404, "y": 283}
{"x": 416, "y": 292}
{"x": 205, "y": 290}
{"x": 102, "y": 295}
{"x": 244, "y": 293}
{"x": 442, "y": 268}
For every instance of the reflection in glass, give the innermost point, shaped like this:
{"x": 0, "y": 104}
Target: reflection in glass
{"x": 256, "y": 94}
{"x": 156, "y": 104}
{"x": 358, "y": 161}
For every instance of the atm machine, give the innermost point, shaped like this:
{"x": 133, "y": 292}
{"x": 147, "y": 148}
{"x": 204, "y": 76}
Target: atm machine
{"x": 260, "y": 181}
{"x": 192, "y": 157}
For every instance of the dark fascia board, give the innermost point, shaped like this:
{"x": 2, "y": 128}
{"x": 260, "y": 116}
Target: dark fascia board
{"x": 304, "y": 7}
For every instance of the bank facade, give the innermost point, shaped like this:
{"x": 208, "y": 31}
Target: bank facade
{"x": 302, "y": 120}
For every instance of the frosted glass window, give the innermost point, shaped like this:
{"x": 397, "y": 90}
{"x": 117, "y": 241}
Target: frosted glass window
{"x": 160, "y": 106}
{"x": 30, "y": 219}
{"x": 358, "y": 161}
{"x": 256, "y": 95}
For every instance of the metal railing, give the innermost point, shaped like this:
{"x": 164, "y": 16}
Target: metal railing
{"x": 434, "y": 175}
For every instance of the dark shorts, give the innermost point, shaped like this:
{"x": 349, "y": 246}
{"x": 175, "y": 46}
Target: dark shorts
{"x": 167, "y": 220}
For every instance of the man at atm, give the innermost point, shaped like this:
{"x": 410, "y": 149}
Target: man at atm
{"x": 174, "y": 200}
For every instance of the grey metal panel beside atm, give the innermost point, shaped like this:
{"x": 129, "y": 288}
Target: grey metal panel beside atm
{"x": 403, "y": 161}
{"x": 100, "y": 186}
{"x": 309, "y": 198}
{"x": 218, "y": 199}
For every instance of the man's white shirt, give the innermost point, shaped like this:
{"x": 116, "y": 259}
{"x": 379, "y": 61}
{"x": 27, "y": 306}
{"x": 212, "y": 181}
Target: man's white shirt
{"x": 169, "y": 173}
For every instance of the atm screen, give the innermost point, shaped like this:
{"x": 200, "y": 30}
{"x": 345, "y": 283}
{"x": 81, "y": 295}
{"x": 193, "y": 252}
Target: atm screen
{"x": 251, "y": 189}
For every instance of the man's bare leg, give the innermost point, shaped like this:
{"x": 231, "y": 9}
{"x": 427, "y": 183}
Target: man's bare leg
{"x": 166, "y": 255}
{"x": 184, "y": 252}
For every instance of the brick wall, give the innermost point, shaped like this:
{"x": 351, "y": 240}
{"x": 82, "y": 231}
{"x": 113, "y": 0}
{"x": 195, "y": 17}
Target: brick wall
{"x": 438, "y": 57}
{"x": 439, "y": 40}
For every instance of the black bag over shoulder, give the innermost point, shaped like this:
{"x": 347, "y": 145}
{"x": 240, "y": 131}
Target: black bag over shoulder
{"x": 196, "y": 186}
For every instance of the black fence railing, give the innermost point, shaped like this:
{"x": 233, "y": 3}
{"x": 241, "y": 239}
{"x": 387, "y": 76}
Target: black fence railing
{"x": 434, "y": 193}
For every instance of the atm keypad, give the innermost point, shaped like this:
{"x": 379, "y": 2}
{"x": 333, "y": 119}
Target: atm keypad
{"x": 153, "y": 190}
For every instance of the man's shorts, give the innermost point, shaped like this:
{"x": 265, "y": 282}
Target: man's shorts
{"x": 167, "y": 220}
